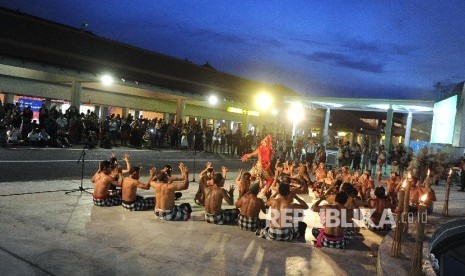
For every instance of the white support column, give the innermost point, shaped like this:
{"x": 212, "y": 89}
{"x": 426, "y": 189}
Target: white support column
{"x": 387, "y": 130}
{"x": 180, "y": 110}
{"x": 9, "y": 98}
{"x": 76, "y": 89}
{"x": 326, "y": 127}
{"x": 408, "y": 130}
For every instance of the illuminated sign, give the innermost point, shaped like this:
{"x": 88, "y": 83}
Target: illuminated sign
{"x": 242, "y": 111}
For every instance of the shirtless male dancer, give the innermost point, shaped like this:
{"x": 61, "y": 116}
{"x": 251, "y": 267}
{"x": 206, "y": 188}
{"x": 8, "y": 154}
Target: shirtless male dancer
{"x": 332, "y": 234}
{"x": 283, "y": 225}
{"x": 391, "y": 185}
{"x": 132, "y": 201}
{"x": 381, "y": 206}
{"x": 250, "y": 207}
{"x": 214, "y": 196}
{"x": 165, "y": 209}
{"x": 102, "y": 181}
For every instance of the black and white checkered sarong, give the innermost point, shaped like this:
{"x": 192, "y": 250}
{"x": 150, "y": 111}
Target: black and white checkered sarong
{"x": 178, "y": 213}
{"x": 372, "y": 226}
{"x": 106, "y": 202}
{"x": 248, "y": 224}
{"x": 322, "y": 240}
{"x": 140, "y": 204}
{"x": 225, "y": 216}
{"x": 280, "y": 234}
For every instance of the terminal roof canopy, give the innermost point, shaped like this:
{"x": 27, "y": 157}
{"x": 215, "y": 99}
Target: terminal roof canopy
{"x": 365, "y": 104}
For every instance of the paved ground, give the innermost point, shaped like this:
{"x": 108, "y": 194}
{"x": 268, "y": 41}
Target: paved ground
{"x": 58, "y": 234}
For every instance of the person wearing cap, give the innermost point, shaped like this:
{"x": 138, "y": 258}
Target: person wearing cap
{"x": 214, "y": 196}
{"x": 283, "y": 226}
{"x": 165, "y": 209}
{"x": 102, "y": 180}
{"x": 382, "y": 207}
{"x": 132, "y": 201}
{"x": 250, "y": 206}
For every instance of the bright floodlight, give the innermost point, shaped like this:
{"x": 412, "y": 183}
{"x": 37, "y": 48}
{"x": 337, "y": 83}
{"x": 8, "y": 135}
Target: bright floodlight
{"x": 263, "y": 101}
{"x": 106, "y": 80}
{"x": 213, "y": 100}
{"x": 274, "y": 112}
{"x": 295, "y": 112}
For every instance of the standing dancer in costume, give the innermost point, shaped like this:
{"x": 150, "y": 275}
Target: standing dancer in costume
{"x": 264, "y": 153}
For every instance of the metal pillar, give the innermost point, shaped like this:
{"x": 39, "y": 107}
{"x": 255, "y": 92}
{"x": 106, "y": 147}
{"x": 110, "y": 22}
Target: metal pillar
{"x": 387, "y": 130}
{"x": 408, "y": 130}
{"x": 326, "y": 127}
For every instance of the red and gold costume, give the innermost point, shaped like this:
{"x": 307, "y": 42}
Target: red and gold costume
{"x": 263, "y": 166}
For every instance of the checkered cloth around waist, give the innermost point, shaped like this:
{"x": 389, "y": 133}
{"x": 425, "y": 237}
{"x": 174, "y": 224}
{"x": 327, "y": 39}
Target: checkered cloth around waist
{"x": 248, "y": 223}
{"x": 140, "y": 204}
{"x": 329, "y": 241}
{"x": 175, "y": 214}
{"x": 280, "y": 234}
{"x": 379, "y": 227}
{"x": 109, "y": 201}
{"x": 225, "y": 216}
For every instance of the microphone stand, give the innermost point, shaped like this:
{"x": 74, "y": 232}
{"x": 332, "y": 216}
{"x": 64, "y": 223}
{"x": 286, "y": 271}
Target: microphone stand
{"x": 81, "y": 159}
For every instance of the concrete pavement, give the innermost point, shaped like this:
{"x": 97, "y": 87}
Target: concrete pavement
{"x": 50, "y": 233}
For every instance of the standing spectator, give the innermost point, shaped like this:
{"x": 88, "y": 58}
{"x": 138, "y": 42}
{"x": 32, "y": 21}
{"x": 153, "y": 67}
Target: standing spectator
{"x": 357, "y": 157}
{"x": 209, "y": 139}
{"x": 27, "y": 118}
{"x": 462, "y": 175}
{"x": 310, "y": 151}
{"x": 365, "y": 158}
{"x": 229, "y": 142}
{"x": 43, "y": 115}
{"x": 198, "y": 136}
{"x": 223, "y": 141}
{"x": 382, "y": 159}
{"x": 373, "y": 159}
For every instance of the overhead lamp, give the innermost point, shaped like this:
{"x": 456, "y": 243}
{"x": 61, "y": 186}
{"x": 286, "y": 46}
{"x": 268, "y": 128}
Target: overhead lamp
{"x": 106, "y": 79}
{"x": 264, "y": 100}
{"x": 212, "y": 99}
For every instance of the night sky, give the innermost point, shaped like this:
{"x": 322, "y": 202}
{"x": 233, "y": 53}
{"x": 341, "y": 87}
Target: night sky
{"x": 371, "y": 49}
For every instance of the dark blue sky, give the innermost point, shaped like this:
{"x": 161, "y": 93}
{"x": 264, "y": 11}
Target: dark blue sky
{"x": 382, "y": 49}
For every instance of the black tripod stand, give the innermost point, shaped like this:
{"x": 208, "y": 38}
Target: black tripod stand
{"x": 193, "y": 172}
{"x": 82, "y": 159}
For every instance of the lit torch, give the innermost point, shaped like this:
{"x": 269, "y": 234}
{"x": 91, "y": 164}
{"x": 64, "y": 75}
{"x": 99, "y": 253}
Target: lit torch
{"x": 397, "y": 242}
{"x": 418, "y": 249}
{"x": 445, "y": 209}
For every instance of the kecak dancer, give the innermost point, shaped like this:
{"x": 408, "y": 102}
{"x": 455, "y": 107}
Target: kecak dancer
{"x": 264, "y": 153}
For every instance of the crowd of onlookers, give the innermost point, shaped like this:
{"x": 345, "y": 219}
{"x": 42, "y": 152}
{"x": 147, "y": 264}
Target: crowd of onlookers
{"x": 56, "y": 128}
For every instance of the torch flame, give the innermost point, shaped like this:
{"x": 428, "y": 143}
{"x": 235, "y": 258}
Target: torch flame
{"x": 424, "y": 197}
{"x": 404, "y": 184}
{"x": 409, "y": 175}
{"x": 428, "y": 173}
{"x": 450, "y": 171}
